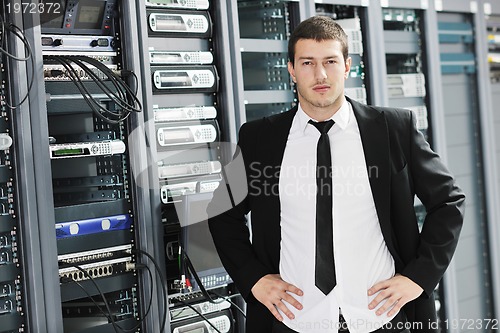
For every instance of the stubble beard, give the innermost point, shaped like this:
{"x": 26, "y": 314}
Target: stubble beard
{"x": 319, "y": 104}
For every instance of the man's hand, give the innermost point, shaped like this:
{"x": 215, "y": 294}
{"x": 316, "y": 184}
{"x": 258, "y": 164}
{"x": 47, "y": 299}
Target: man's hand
{"x": 397, "y": 291}
{"x": 271, "y": 291}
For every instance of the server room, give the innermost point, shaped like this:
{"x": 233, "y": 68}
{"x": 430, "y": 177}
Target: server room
{"x": 159, "y": 172}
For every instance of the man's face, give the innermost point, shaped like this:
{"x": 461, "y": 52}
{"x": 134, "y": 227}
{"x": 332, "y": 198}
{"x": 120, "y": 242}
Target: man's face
{"x": 319, "y": 73}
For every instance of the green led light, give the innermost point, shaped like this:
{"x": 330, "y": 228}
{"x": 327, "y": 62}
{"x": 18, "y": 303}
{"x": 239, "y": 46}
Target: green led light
{"x": 68, "y": 152}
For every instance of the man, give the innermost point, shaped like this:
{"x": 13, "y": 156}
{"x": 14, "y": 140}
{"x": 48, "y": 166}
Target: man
{"x": 380, "y": 270}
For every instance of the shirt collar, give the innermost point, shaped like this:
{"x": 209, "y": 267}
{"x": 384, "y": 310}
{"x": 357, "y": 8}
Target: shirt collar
{"x": 341, "y": 117}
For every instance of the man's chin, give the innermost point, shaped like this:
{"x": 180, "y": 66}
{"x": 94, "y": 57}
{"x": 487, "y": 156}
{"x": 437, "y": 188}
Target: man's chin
{"x": 324, "y": 104}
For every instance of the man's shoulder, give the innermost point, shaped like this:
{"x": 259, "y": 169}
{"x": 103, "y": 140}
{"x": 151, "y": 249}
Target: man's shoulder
{"x": 397, "y": 113}
{"x": 391, "y": 113}
{"x": 265, "y": 124}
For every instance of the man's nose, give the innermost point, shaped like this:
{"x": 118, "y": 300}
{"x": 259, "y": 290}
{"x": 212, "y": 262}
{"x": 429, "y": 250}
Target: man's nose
{"x": 320, "y": 72}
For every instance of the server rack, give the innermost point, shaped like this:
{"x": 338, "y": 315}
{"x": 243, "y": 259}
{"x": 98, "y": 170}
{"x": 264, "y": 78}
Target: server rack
{"x": 459, "y": 73}
{"x": 65, "y": 209}
{"x": 264, "y": 29}
{"x": 487, "y": 24}
{"x": 409, "y": 77}
{"x": 188, "y": 102}
{"x": 405, "y": 62}
{"x": 45, "y": 307}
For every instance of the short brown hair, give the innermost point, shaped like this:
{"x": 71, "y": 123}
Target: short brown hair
{"x": 319, "y": 28}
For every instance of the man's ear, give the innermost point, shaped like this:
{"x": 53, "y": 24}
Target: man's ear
{"x": 348, "y": 63}
{"x": 291, "y": 70}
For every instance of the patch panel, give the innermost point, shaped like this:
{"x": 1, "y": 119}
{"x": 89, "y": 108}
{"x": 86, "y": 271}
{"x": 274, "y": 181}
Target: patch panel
{"x": 99, "y": 254}
{"x": 60, "y": 73}
{"x": 96, "y": 270}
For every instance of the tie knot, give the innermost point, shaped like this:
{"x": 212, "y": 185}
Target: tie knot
{"x": 322, "y": 126}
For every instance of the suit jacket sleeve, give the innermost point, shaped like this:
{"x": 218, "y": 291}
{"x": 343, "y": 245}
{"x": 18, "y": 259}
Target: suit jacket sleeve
{"x": 444, "y": 202}
{"x": 228, "y": 224}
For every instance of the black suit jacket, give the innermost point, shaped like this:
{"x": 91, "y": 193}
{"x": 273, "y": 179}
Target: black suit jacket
{"x": 400, "y": 165}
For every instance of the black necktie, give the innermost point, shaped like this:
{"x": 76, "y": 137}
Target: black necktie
{"x": 324, "y": 271}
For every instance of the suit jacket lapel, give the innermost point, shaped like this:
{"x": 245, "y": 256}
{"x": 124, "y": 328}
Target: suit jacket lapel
{"x": 375, "y": 139}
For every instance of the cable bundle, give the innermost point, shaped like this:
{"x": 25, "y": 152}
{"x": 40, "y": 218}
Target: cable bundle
{"x": 108, "y": 313}
{"x": 185, "y": 263}
{"x": 16, "y": 31}
{"x": 121, "y": 94}
{"x": 184, "y": 258}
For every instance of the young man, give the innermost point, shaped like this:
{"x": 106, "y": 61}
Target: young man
{"x": 331, "y": 183}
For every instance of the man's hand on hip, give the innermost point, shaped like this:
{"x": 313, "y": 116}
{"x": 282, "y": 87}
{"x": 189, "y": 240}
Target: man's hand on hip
{"x": 396, "y": 292}
{"x": 272, "y": 291}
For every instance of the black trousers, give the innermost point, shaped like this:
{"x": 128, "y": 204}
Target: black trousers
{"x": 398, "y": 320}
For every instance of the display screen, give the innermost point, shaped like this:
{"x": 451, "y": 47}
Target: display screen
{"x": 167, "y": 2}
{"x": 170, "y": 22}
{"x": 166, "y": 57}
{"x": 90, "y": 14}
{"x": 181, "y": 313}
{"x": 174, "y": 79}
{"x": 197, "y": 238}
{"x": 197, "y": 330}
{"x": 68, "y": 152}
{"x": 171, "y": 136}
{"x": 201, "y": 248}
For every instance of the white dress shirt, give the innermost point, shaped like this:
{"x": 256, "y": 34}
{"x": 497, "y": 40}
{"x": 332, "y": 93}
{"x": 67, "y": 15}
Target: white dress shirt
{"x": 361, "y": 255}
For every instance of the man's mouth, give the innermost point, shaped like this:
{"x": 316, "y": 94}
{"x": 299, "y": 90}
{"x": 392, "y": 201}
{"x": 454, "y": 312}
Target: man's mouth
{"x": 321, "y": 88}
